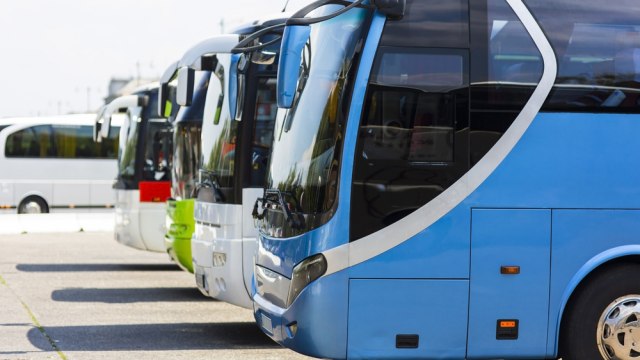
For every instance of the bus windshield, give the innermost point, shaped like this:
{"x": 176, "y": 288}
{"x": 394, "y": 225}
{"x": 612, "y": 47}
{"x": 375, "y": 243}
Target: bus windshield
{"x": 186, "y": 143}
{"x": 147, "y": 140}
{"x": 128, "y": 143}
{"x": 306, "y": 150}
{"x": 219, "y": 134}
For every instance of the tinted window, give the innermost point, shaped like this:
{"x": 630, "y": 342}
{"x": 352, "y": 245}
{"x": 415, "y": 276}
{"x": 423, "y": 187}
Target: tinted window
{"x": 32, "y": 142}
{"x": 76, "y": 142}
{"x": 412, "y": 142}
{"x": 598, "y": 52}
{"x": 505, "y": 69}
{"x": 430, "y": 23}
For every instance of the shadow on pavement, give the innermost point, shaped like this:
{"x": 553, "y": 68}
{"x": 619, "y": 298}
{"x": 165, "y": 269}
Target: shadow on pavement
{"x": 129, "y": 295}
{"x": 95, "y": 267}
{"x": 147, "y": 337}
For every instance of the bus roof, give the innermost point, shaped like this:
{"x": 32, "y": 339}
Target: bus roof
{"x": 72, "y": 119}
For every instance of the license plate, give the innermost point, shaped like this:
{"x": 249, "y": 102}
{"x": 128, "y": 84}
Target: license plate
{"x": 266, "y": 323}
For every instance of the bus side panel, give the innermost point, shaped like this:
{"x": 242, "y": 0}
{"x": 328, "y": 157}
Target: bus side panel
{"x": 71, "y": 193}
{"x": 380, "y": 310}
{"x": 578, "y": 237}
{"x": 440, "y": 251}
{"x": 519, "y": 302}
{"x": 102, "y": 193}
{"x": 6, "y": 195}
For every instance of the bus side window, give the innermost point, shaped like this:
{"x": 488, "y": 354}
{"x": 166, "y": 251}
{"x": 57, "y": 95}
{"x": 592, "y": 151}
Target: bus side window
{"x": 32, "y": 142}
{"x": 598, "y": 51}
{"x": 412, "y": 142}
{"x": 505, "y": 69}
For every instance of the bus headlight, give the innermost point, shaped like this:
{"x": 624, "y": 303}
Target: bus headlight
{"x": 304, "y": 273}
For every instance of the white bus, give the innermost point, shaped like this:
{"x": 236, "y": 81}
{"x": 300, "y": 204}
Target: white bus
{"x": 51, "y": 163}
{"x": 143, "y": 179}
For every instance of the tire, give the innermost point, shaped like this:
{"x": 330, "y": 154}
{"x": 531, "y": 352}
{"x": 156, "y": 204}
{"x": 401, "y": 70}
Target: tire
{"x": 609, "y": 297}
{"x": 33, "y": 205}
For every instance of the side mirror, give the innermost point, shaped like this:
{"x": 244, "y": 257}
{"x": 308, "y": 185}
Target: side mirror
{"x": 106, "y": 124}
{"x": 98, "y": 124}
{"x": 294, "y": 39}
{"x": 164, "y": 91}
{"x": 186, "y": 83}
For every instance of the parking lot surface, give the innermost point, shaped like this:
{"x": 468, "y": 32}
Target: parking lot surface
{"x": 83, "y": 296}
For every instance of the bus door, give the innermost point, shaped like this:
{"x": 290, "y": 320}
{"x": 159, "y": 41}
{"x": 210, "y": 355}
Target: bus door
{"x": 510, "y": 269}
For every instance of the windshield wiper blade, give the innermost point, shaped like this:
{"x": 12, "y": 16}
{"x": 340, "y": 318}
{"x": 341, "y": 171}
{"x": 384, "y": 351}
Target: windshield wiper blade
{"x": 275, "y": 198}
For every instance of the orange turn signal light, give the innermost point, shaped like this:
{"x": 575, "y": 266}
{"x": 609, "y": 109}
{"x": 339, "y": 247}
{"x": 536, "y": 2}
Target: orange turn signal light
{"x": 510, "y": 270}
{"x": 507, "y": 324}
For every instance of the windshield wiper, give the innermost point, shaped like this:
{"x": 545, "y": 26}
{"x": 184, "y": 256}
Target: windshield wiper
{"x": 272, "y": 199}
{"x": 209, "y": 180}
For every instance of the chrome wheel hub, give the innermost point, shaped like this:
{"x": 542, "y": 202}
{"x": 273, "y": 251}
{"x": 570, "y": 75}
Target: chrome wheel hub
{"x": 619, "y": 329}
{"x": 32, "y": 207}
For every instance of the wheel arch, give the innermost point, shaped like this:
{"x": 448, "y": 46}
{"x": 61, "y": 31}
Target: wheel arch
{"x": 29, "y": 194}
{"x": 597, "y": 264}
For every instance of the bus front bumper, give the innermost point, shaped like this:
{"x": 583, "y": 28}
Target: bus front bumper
{"x": 218, "y": 265}
{"x": 315, "y": 324}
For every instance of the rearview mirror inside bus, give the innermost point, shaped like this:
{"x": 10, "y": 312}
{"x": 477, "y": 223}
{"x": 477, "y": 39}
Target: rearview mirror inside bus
{"x": 263, "y": 57}
{"x": 294, "y": 39}
{"x": 184, "y": 92}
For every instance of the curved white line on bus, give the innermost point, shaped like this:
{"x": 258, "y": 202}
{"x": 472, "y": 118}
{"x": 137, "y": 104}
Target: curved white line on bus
{"x": 347, "y": 255}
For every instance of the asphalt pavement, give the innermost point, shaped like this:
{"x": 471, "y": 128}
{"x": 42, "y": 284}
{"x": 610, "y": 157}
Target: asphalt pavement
{"x": 83, "y": 296}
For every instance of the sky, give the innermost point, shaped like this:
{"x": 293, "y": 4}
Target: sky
{"x": 57, "y": 56}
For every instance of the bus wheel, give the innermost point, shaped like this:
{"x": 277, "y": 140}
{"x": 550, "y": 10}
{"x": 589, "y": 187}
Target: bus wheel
{"x": 33, "y": 205}
{"x": 603, "y": 321}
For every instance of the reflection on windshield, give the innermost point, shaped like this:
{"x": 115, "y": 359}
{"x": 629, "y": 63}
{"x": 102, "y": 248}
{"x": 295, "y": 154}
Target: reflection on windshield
{"x": 128, "y": 143}
{"x": 186, "y": 142}
{"x": 158, "y": 150}
{"x": 186, "y": 156}
{"x": 305, "y": 160}
{"x": 219, "y": 132}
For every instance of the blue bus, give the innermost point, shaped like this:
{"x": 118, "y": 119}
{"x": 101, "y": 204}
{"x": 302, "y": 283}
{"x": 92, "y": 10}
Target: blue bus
{"x": 455, "y": 179}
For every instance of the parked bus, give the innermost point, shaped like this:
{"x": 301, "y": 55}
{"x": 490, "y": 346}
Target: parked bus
{"x": 187, "y": 129}
{"x": 455, "y": 179}
{"x": 143, "y": 181}
{"x": 236, "y": 138}
{"x": 51, "y": 163}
